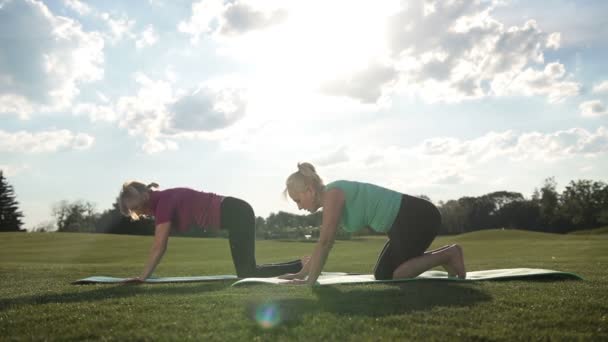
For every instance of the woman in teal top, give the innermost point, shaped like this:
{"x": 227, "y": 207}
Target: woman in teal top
{"x": 411, "y": 224}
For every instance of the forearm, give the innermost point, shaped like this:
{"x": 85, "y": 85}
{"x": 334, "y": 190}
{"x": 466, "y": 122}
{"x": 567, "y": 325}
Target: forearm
{"x": 156, "y": 253}
{"x": 317, "y": 261}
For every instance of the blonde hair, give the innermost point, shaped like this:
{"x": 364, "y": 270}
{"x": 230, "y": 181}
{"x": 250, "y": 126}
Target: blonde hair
{"x": 306, "y": 176}
{"x": 133, "y": 192}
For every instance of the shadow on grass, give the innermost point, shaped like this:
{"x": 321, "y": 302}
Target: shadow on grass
{"x": 105, "y": 292}
{"x": 346, "y": 300}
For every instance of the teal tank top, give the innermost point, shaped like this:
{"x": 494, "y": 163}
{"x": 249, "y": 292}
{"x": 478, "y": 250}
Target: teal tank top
{"x": 367, "y": 205}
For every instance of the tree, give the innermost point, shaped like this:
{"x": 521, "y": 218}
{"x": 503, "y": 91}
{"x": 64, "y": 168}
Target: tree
{"x": 75, "y": 217}
{"x": 584, "y": 202}
{"x": 10, "y": 216}
{"x": 548, "y": 202}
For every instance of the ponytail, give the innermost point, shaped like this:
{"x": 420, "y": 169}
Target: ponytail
{"x": 131, "y": 196}
{"x": 306, "y": 176}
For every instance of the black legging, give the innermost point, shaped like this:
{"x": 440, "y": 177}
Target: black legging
{"x": 412, "y": 232}
{"x": 238, "y": 218}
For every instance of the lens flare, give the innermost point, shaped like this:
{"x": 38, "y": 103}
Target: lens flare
{"x": 268, "y": 315}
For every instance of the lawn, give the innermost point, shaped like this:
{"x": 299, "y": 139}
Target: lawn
{"x": 37, "y": 301}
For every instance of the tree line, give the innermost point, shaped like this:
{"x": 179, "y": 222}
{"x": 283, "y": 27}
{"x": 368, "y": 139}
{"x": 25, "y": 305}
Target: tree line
{"x": 583, "y": 204}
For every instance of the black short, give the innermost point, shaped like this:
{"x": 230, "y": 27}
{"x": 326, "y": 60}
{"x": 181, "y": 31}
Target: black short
{"x": 414, "y": 229}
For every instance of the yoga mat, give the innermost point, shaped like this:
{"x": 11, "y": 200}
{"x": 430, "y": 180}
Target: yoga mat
{"x": 499, "y": 274}
{"x": 114, "y": 280}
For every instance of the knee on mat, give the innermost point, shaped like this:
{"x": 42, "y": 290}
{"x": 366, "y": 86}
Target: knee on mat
{"x": 383, "y": 275}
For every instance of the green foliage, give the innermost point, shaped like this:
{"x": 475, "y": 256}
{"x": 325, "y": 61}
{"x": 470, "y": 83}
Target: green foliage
{"x": 77, "y": 216}
{"x": 10, "y": 216}
{"x": 38, "y": 303}
{"x": 582, "y": 205}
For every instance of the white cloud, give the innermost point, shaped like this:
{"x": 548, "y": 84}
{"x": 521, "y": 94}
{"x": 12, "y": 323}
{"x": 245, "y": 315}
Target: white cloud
{"x": 592, "y": 109}
{"x": 120, "y": 27}
{"x": 46, "y": 141}
{"x": 147, "y": 37}
{"x": 459, "y": 51}
{"x": 517, "y": 147}
{"x": 439, "y": 50}
{"x": 549, "y": 82}
{"x": 366, "y": 85}
{"x": 241, "y": 17}
{"x": 335, "y": 157}
{"x": 96, "y": 112}
{"x": 601, "y": 88}
{"x": 49, "y": 57}
{"x": 207, "y": 109}
{"x": 160, "y": 114}
{"x": 78, "y": 6}
{"x": 145, "y": 114}
{"x": 448, "y": 161}
{"x": 230, "y": 18}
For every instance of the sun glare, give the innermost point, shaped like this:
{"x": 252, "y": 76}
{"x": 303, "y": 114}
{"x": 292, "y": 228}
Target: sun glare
{"x": 316, "y": 43}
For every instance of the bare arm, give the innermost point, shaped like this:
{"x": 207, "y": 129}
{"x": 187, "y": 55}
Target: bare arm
{"x": 161, "y": 236}
{"x": 332, "y": 210}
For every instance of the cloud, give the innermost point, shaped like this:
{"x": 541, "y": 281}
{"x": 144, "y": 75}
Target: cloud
{"x": 335, "y": 157}
{"x": 365, "y": 85}
{"x": 120, "y": 27}
{"x": 96, "y": 112}
{"x": 218, "y": 17}
{"x": 239, "y": 18}
{"x": 207, "y": 109}
{"x": 447, "y": 161}
{"x": 601, "y": 88}
{"x": 448, "y": 179}
{"x": 549, "y": 82}
{"x": 46, "y": 141}
{"x": 593, "y": 109}
{"x": 49, "y": 56}
{"x": 147, "y": 37}
{"x": 77, "y": 6}
{"x": 144, "y": 114}
{"x": 517, "y": 147}
{"x": 455, "y": 50}
{"x": 160, "y": 114}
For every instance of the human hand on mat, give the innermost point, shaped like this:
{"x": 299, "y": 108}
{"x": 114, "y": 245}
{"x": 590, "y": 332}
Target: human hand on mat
{"x": 134, "y": 281}
{"x": 291, "y": 276}
{"x": 297, "y": 282}
{"x": 303, "y": 272}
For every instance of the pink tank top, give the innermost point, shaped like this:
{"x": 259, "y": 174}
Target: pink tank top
{"x": 184, "y": 207}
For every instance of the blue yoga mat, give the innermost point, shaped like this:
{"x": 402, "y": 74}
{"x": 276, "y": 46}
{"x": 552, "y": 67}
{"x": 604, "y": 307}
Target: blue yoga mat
{"x": 498, "y": 274}
{"x": 114, "y": 280}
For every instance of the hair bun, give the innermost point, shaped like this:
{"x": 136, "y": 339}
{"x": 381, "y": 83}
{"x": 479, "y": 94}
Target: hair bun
{"x": 306, "y": 169}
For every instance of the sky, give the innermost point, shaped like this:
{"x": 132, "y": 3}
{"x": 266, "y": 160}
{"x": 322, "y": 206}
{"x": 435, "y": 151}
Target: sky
{"x": 441, "y": 98}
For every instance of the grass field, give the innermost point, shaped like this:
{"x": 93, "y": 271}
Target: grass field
{"x": 37, "y": 301}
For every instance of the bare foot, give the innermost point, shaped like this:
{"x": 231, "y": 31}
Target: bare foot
{"x": 455, "y": 264}
{"x": 305, "y": 259}
{"x": 452, "y": 272}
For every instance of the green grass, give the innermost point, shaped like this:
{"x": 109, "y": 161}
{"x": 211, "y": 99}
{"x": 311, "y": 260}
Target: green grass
{"x": 37, "y": 301}
{"x": 602, "y": 230}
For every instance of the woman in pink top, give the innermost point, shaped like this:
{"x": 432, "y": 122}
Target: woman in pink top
{"x": 181, "y": 208}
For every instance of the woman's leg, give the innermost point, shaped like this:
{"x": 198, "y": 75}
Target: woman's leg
{"x": 451, "y": 258}
{"x": 412, "y": 233}
{"x": 384, "y": 266}
{"x": 238, "y": 218}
